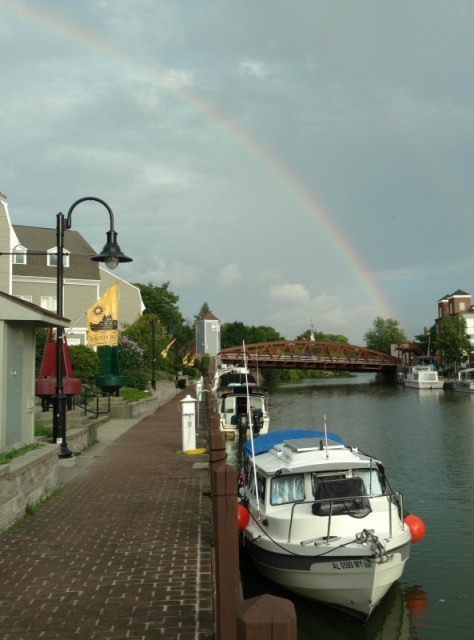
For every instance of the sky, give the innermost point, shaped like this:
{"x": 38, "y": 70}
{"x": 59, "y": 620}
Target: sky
{"x": 289, "y": 162}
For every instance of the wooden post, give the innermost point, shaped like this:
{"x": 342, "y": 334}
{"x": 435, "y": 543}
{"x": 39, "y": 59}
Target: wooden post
{"x": 224, "y": 502}
{"x": 266, "y": 618}
{"x": 225, "y": 534}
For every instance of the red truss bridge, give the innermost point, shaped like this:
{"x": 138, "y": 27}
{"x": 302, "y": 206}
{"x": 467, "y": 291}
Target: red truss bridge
{"x": 307, "y": 354}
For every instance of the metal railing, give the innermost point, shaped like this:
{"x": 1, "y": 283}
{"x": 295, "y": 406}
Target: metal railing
{"x": 392, "y": 498}
{"x": 92, "y": 401}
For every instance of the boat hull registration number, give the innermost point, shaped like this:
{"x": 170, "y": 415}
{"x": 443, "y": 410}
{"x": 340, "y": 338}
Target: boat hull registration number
{"x": 351, "y": 564}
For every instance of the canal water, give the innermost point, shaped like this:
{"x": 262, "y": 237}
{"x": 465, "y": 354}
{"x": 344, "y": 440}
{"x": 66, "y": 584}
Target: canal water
{"x": 426, "y": 441}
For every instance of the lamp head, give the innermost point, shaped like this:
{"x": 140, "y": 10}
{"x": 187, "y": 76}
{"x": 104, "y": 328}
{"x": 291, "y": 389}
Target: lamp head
{"x": 111, "y": 253}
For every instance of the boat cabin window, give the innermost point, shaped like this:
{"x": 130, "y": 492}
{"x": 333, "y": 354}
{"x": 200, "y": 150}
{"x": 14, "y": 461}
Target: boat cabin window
{"x": 341, "y": 496}
{"x": 227, "y": 405}
{"x": 256, "y": 403}
{"x": 318, "y": 478}
{"x": 287, "y": 489}
{"x": 371, "y": 479}
{"x": 260, "y": 486}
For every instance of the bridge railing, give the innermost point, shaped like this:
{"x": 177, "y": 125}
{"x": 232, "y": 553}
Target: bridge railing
{"x": 310, "y": 355}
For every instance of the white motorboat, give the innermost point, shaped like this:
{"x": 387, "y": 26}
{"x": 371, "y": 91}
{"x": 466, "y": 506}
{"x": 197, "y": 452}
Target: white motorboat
{"x": 423, "y": 375}
{"x": 242, "y": 407}
{"x": 323, "y": 521}
{"x": 465, "y": 381}
{"x": 232, "y": 377}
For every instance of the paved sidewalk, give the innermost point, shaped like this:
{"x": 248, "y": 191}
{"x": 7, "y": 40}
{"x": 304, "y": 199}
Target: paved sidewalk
{"x": 124, "y": 551}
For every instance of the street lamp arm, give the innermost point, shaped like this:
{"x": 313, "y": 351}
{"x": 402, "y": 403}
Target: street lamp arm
{"x": 74, "y": 205}
{"x": 111, "y": 254}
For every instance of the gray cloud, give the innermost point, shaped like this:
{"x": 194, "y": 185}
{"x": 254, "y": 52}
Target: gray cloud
{"x": 292, "y": 142}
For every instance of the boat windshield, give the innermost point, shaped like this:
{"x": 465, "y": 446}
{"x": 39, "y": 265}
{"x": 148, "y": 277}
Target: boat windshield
{"x": 370, "y": 478}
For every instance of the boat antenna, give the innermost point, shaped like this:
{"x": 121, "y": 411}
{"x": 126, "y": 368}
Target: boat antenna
{"x": 326, "y": 435}
{"x": 251, "y": 430}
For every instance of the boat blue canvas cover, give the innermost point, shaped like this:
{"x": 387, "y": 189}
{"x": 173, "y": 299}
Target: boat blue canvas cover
{"x": 265, "y": 442}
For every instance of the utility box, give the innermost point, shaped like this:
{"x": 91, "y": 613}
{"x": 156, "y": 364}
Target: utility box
{"x": 188, "y": 422}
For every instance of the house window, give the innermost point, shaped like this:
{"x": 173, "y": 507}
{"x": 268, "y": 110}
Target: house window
{"x": 49, "y": 302}
{"x": 52, "y": 258}
{"x": 19, "y": 257}
{"x": 25, "y": 298}
{"x": 462, "y": 306}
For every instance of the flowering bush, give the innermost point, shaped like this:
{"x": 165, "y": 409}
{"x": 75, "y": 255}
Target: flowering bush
{"x": 130, "y": 354}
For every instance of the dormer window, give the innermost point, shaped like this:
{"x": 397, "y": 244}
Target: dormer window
{"x": 52, "y": 258}
{"x": 19, "y": 255}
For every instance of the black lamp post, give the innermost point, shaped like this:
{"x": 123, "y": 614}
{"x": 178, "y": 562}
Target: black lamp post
{"x": 111, "y": 255}
{"x": 153, "y": 355}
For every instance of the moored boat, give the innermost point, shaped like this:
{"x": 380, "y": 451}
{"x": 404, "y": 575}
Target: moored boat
{"x": 424, "y": 374}
{"x": 232, "y": 377}
{"x": 465, "y": 381}
{"x": 323, "y": 520}
{"x": 243, "y": 407}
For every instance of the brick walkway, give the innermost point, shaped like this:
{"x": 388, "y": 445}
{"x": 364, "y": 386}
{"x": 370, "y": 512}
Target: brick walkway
{"x": 123, "y": 552}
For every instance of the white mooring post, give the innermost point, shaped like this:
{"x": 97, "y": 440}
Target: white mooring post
{"x": 188, "y": 422}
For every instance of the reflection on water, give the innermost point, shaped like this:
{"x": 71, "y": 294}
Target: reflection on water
{"x": 426, "y": 442}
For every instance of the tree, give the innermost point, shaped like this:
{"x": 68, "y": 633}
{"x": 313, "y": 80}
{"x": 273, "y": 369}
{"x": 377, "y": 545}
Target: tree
{"x": 141, "y": 332}
{"x": 161, "y": 302}
{"x": 427, "y": 340}
{"x": 383, "y": 334}
{"x": 452, "y": 340}
{"x": 203, "y": 311}
{"x": 319, "y": 336}
{"x": 233, "y": 334}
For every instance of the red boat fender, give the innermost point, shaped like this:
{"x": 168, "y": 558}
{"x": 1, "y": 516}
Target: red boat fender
{"x": 243, "y": 517}
{"x": 416, "y": 526}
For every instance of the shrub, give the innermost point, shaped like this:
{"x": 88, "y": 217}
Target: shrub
{"x": 130, "y": 354}
{"x": 137, "y": 378}
{"x": 85, "y": 362}
{"x": 191, "y": 372}
{"x": 133, "y": 395}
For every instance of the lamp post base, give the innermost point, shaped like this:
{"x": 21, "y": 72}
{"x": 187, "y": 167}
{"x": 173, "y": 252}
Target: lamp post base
{"x": 64, "y": 452}
{"x": 59, "y": 424}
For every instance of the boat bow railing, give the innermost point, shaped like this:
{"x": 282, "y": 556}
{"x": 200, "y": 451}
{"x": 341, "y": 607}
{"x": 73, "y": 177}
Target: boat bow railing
{"x": 392, "y": 498}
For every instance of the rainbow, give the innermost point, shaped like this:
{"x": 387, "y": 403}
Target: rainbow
{"x": 270, "y": 163}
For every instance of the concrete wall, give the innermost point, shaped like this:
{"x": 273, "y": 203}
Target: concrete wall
{"x": 27, "y": 480}
{"x": 119, "y": 409}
